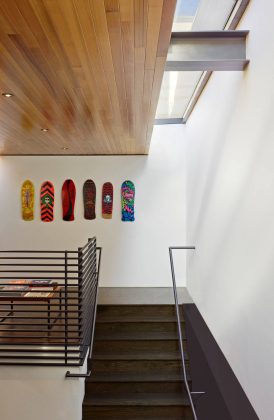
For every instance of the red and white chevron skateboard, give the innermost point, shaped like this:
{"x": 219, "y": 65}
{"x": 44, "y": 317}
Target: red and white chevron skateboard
{"x": 47, "y": 201}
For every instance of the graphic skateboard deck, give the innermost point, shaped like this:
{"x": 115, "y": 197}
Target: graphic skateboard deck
{"x": 107, "y": 200}
{"x": 68, "y": 200}
{"x": 128, "y": 196}
{"x": 27, "y": 200}
{"x": 89, "y": 193}
{"x": 47, "y": 201}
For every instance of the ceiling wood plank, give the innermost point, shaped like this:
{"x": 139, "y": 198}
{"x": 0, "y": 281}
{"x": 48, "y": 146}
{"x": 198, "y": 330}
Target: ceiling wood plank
{"x": 89, "y": 71}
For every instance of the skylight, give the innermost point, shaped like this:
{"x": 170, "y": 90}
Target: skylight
{"x": 178, "y": 87}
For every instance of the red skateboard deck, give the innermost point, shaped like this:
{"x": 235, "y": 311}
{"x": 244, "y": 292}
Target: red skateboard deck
{"x": 47, "y": 201}
{"x": 107, "y": 200}
{"x": 89, "y": 193}
{"x": 68, "y": 200}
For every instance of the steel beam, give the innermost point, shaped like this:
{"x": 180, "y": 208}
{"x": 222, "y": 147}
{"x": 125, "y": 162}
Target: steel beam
{"x": 164, "y": 121}
{"x": 207, "y": 51}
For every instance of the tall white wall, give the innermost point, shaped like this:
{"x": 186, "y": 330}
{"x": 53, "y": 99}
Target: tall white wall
{"x": 134, "y": 254}
{"x": 40, "y": 393}
{"x": 230, "y": 210}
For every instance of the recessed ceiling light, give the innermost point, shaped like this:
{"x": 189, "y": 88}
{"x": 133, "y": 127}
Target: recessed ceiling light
{"x": 44, "y": 130}
{"x": 7, "y": 94}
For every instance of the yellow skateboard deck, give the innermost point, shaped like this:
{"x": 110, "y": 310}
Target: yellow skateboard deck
{"x": 27, "y": 197}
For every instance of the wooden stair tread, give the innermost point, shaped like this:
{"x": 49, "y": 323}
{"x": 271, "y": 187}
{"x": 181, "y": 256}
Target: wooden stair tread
{"x": 138, "y": 356}
{"x": 136, "y": 335}
{"x": 135, "y": 377}
{"x": 136, "y": 318}
{"x": 146, "y": 399}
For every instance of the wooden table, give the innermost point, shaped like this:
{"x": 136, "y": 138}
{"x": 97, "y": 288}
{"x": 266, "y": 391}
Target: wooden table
{"x": 47, "y": 299}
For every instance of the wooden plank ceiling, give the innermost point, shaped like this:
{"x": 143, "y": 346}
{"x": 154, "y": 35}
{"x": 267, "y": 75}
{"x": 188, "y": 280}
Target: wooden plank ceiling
{"x": 89, "y": 71}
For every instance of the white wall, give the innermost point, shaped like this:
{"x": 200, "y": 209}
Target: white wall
{"x": 230, "y": 210}
{"x": 40, "y": 393}
{"x": 134, "y": 254}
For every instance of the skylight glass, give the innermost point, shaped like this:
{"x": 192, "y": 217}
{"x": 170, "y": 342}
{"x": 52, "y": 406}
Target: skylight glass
{"x": 176, "y": 92}
{"x": 185, "y": 15}
{"x": 190, "y": 15}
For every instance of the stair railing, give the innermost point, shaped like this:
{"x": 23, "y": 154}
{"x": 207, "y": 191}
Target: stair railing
{"x": 53, "y": 325}
{"x": 189, "y": 393}
{"x": 89, "y": 272}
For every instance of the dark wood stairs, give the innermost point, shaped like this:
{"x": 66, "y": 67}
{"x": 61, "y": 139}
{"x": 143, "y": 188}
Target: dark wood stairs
{"x": 136, "y": 369}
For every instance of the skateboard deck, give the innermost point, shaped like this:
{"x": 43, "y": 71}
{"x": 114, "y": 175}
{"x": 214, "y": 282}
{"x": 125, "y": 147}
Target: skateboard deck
{"x": 107, "y": 200}
{"x": 47, "y": 201}
{"x": 27, "y": 200}
{"x": 128, "y": 197}
{"x": 89, "y": 193}
{"x": 68, "y": 200}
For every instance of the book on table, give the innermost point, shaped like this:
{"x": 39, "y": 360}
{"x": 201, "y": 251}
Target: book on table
{"x": 28, "y": 288}
{"x": 7, "y": 291}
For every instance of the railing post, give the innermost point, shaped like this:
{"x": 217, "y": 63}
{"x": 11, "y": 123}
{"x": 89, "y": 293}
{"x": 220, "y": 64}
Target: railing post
{"x": 96, "y": 297}
{"x": 66, "y": 307}
{"x": 80, "y": 296}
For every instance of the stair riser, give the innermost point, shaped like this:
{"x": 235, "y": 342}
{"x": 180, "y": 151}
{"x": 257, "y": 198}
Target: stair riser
{"x": 117, "y": 413}
{"x": 113, "y": 388}
{"x": 140, "y": 366}
{"x": 132, "y": 310}
{"x": 134, "y": 346}
{"x": 131, "y": 327}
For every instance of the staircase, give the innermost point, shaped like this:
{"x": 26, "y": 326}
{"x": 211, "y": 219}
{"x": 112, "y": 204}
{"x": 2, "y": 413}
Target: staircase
{"x": 136, "y": 366}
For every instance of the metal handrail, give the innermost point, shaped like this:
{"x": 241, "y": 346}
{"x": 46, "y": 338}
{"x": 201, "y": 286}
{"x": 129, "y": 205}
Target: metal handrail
{"x": 189, "y": 393}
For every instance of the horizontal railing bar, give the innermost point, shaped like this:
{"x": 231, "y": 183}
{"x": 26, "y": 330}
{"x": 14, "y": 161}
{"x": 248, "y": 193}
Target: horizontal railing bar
{"x": 39, "y": 271}
{"x": 36, "y": 278}
{"x": 47, "y": 337}
{"x": 86, "y": 275}
{"x": 38, "y": 317}
{"x": 89, "y": 243}
{"x": 73, "y": 288}
{"x": 60, "y": 345}
{"x": 91, "y": 263}
{"x": 90, "y": 250}
{"x": 38, "y": 357}
{"x": 42, "y": 364}
{"x": 88, "y": 254}
{"x": 89, "y": 268}
{"x": 63, "y": 311}
{"x": 36, "y": 252}
{"x": 38, "y": 258}
{"x": 37, "y": 265}
{"x": 41, "y": 324}
{"x": 12, "y": 350}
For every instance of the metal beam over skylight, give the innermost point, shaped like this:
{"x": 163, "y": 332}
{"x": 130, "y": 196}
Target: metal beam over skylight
{"x": 198, "y": 47}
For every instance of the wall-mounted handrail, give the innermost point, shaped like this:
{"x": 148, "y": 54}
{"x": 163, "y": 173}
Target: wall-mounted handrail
{"x": 189, "y": 393}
